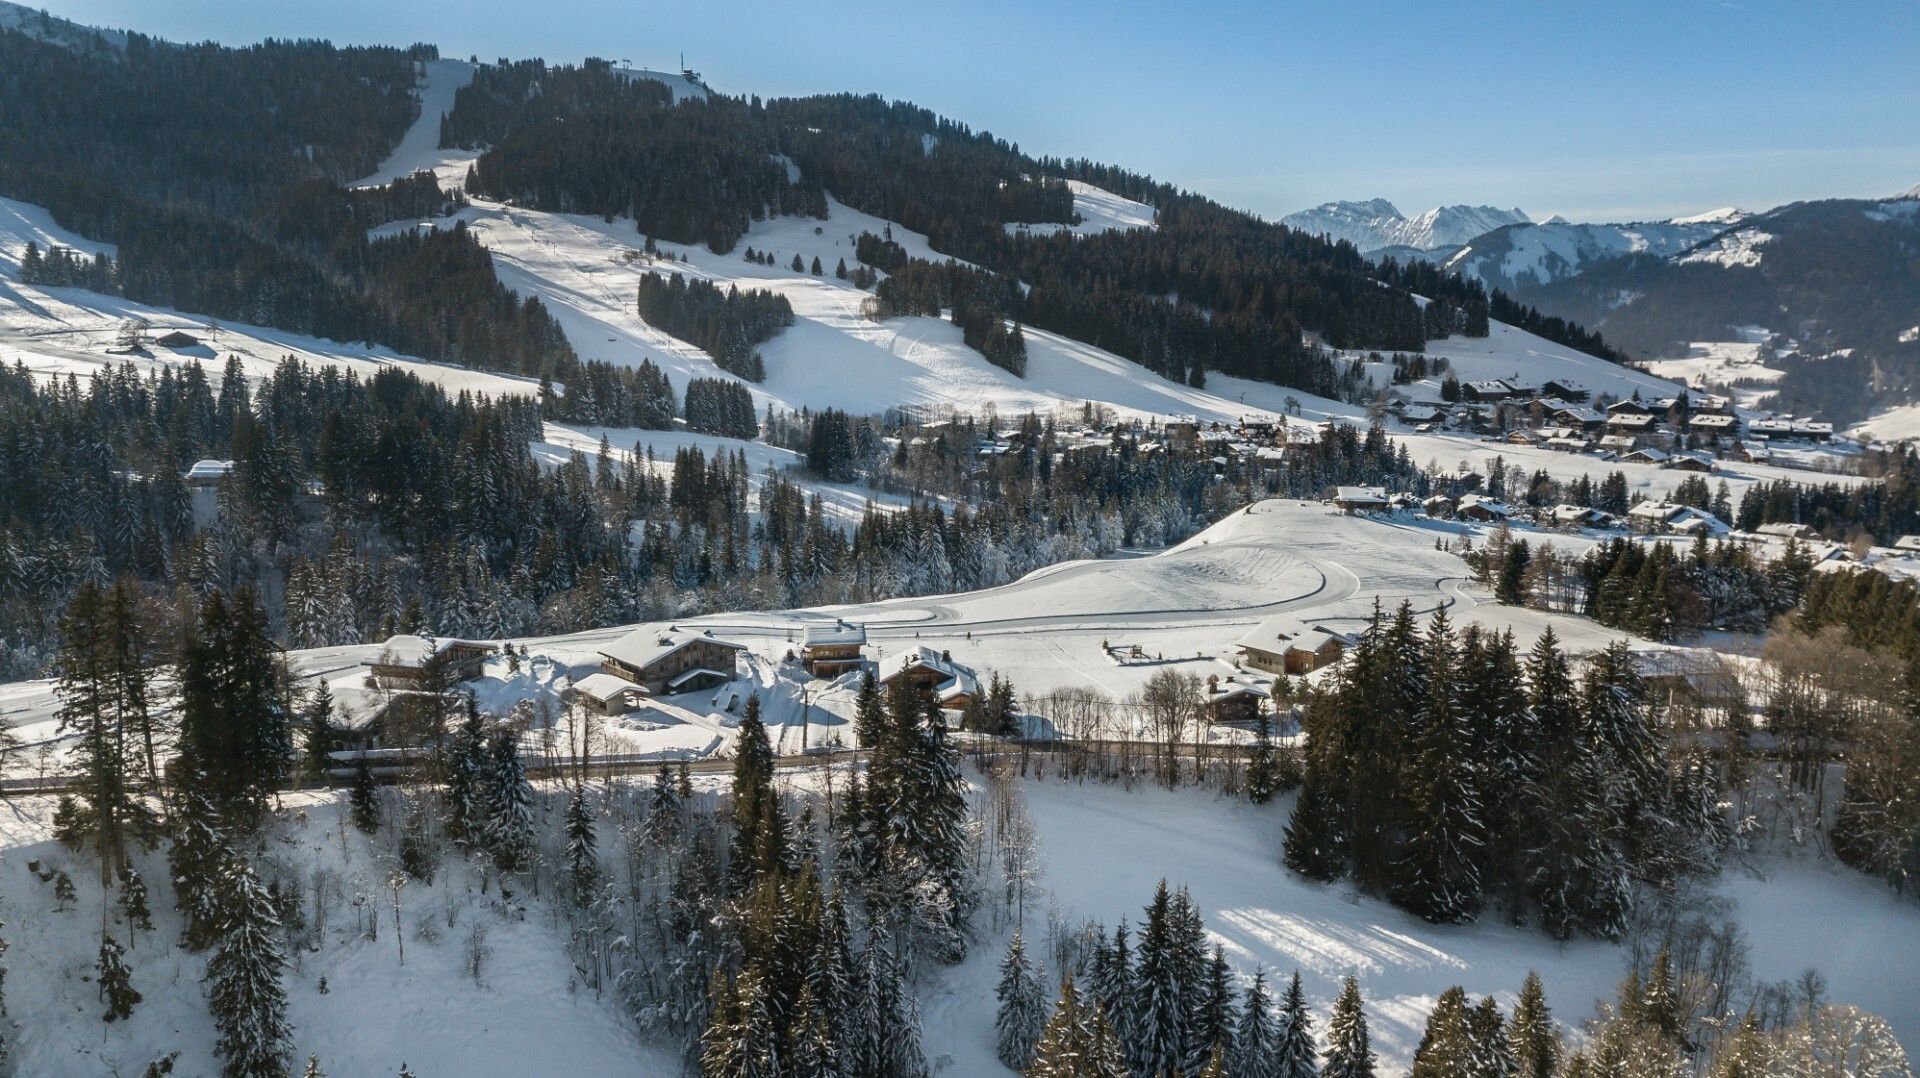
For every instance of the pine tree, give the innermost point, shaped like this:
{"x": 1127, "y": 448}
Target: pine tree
{"x": 1534, "y": 1040}
{"x": 509, "y": 833}
{"x": 1298, "y": 1055}
{"x": 197, "y": 861}
{"x": 312, "y": 1069}
{"x": 1110, "y": 987}
{"x": 364, "y": 798}
{"x": 1446, "y": 1048}
{"x": 115, "y": 980}
{"x": 244, "y": 993}
{"x": 1077, "y": 1041}
{"x": 1256, "y": 1039}
{"x": 465, "y": 794}
{"x": 583, "y": 859}
{"x": 755, "y": 803}
{"x": 1492, "y": 1054}
{"x": 320, "y": 732}
{"x": 102, "y": 692}
{"x": 1439, "y": 873}
{"x": 1262, "y": 781}
{"x": 1212, "y": 1022}
{"x": 1159, "y": 1006}
{"x": 133, "y": 900}
{"x": 1348, "y": 1054}
{"x": 1022, "y": 1012}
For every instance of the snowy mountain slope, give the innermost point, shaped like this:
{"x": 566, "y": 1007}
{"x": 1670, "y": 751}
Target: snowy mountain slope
{"x": 1099, "y": 210}
{"x": 60, "y": 331}
{"x": 1377, "y": 223}
{"x": 683, "y": 88}
{"x": 419, "y": 148}
{"x": 1521, "y": 254}
{"x": 55, "y": 30}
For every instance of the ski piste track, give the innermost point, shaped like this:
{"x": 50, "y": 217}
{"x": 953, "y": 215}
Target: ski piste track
{"x": 1303, "y": 584}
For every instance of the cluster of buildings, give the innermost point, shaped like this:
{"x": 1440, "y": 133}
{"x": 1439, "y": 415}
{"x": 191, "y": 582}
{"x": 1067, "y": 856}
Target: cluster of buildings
{"x": 1686, "y": 430}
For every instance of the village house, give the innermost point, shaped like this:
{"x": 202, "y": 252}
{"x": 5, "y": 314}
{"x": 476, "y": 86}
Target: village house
{"x": 671, "y": 660}
{"x": 1486, "y": 391}
{"x": 176, "y": 339}
{"x": 1631, "y": 423}
{"x": 832, "y": 650}
{"x": 1288, "y": 645}
{"x": 1566, "y": 389}
{"x": 1234, "y": 700}
{"x": 931, "y": 674}
{"x": 1481, "y": 508}
{"x": 1578, "y": 516}
{"x": 1690, "y": 462}
{"x": 1360, "y": 499}
{"x": 1714, "y": 424}
{"x": 413, "y": 661}
{"x": 1656, "y": 517}
{"x": 1646, "y": 454}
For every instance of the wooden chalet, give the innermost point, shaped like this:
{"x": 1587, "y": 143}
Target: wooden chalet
{"x": 665, "y": 661}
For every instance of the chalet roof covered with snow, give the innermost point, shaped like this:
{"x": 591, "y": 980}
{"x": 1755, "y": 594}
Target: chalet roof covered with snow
{"x": 840, "y": 633}
{"x": 1360, "y": 495}
{"x": 207, "y": 471}
{"x": 1283, "y": 632}
{"x": 959, "y": 678}
{"x": 646, "y": 645}
{"x": 603, "y": 686}
{"x": 413, "y": 649}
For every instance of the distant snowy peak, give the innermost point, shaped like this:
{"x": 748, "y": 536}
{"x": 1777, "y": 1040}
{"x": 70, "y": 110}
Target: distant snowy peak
{"x": 1725, "y": 215}
{"x": 1552, "y": 250}
{"x": 1378, "y": 223}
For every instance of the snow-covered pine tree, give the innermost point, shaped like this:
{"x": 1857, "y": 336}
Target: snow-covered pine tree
{"x": 1262, "y": 781}
{"x": 1212, "y": 1024}
{"x": 757, "y": 1046}
{"x": 1492, "y": 1054}
{"x": 196, "y": 860}
{"x": 1349, "y": 1053}
{"x": 752, "y": 790}
{"x": 363, "y": 798}
{"x": 320, "y": 735}
{"x": 1446, "y": 1048}
{"x": 1110, "y": 984}
{"x": 890, "y": 1044}
{"x": 583, "y": 858}
{"x": 1298, "y": 1055}
{"x": 1438, "y": 875}
{"x": 244, "y": 993}
{"x": 811, "y": 1050}
{"x": 1256, "y": 1037}
{"x": 465, "y": 795}
{"x": 1022, "y": 1012}
{"x": 720, "y": 1038}
{"x": 312, "y": 1069}
{"x": 133, "y": 900}
{"x": 115, "y": 980}
{"x": 509, "y": 834}
{"x": 1531, "y": 1035}
{"x": 1158, "y": 1006}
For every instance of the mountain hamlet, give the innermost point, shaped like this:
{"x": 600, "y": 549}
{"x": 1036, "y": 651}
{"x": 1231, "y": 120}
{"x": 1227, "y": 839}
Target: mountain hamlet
{"x": 549, "y": 568}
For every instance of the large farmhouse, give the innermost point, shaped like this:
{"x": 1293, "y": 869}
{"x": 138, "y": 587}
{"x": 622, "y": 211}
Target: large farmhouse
{"x": 1287, "y": 645}
{"x": 671, "y": 660}
{"x": 413, "y": 661}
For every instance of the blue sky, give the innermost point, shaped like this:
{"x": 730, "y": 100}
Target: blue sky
{"x": 1597, "y": 112}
